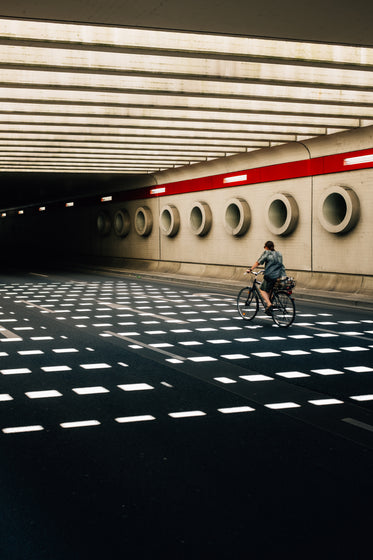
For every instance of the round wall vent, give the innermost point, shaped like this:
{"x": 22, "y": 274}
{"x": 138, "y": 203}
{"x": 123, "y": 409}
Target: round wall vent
{"x": 122, "y": 223}
{"x": 103, "y": 224}
{"x": 169, "y": 220}
{"x": 200, "y": 218}
{"x": 237, "y": 217}
{"x": 339, "y": 209}
{"x": 143, "y": 221}
{"x": 281, "y": 214}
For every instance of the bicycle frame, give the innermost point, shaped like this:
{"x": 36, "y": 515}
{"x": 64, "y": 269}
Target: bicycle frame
{"x": 282, "y": 308}
{"x": 255, "y": 287}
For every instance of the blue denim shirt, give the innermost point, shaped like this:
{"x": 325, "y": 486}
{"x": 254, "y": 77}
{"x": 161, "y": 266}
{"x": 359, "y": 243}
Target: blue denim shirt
{"x": 274, "y": 267}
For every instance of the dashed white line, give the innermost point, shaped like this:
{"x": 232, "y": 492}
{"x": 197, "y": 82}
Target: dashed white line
{"x": 359, "y": 369}
{"x": 129, "y": 419}
{"x": 64, "y": 350}
{"x": 43, "y": 394}
{"x": 135, "y": 387}
{"x": 235, "y": 409}
{"x": 292, "y": 374}
{"x": 282, "y": 405}
{"x": 256, "y": 377}
{"x": 50, "y": 369}
{"x": 31, "y": 304}
{"x": 323, "y": 402}
{"x": 8, "y": 335}
{"x": 22, "y": 429}
{"x": 15, "y": 371}
{"x": 143, "y": 345}
{"x": 80, "y": 424}
{"x": 225, "y": 380}
{"x": 90, "y": 390}
{"x": 327, "y": 371}
{"x": 29, "y": 352}
{"x": 138, "y": 311}
{"x": 187, "y": 414}
{"x": 95, "y": 366}
{"x": 234, "y": 356}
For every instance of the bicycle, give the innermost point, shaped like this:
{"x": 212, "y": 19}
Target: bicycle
{"x": 283, "y": 313}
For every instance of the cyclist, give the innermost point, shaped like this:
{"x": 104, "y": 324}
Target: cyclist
{"x": 274, "y": 269}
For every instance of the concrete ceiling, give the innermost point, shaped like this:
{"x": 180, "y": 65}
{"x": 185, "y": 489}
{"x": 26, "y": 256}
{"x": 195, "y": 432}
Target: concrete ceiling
{"x": 106, "y": 99}
{"x": 331, "y": 21}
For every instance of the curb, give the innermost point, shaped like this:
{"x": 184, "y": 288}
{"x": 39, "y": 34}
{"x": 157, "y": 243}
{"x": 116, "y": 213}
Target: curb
{"x": 351, "y": 300}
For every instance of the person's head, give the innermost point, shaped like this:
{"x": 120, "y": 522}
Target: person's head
{"x": 269, "y": 245}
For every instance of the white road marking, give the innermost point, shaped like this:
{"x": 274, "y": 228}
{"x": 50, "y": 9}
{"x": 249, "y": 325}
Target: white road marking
{"x": 202, "y": 359}
{"x": 283, "y": 405}
{"x": 15, "y": 371}
{"x": 359, "y": 369}
{"x": 139, "y": 311}
{"x": 143, "y": 345}
{"x": 265, "y": 354}
{"x": 234, "y": 356}
{"x": 329, "y": 332}
{"x": 30, "y": 304}
{"x": 81, "y": 424}
{"x": 256, "y": 377}
{"x": 90, "y": 390}
{"x": 128, "y": 419}
{"x": 323, "y": 402}
{"x": 135, "y": 387}
{"x": 327, "y": 371}
{"x": 64, "y": 350}
{"x": 49, "y": 369}
{"x": 292, "y": 374}
{"x": 22, "y": 429}
{"x": 187, "y": 414}
{"x": 43, "y": 394}
{"x": 95, "y": 366}
{"x": 9, "y": 335}
{"x": 235, "y": 409}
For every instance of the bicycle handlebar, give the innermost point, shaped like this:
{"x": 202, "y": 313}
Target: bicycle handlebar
{"x": 255, "y": 273}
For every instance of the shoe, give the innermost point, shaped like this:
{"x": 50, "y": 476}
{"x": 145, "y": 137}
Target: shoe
{"x": 269, "y": 310}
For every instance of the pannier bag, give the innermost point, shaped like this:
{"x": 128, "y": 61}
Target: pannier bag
{"x": 285, "y": 283}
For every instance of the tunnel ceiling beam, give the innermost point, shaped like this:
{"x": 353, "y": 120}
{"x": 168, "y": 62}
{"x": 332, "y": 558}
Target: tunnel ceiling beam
{"x": 124, "y": 100}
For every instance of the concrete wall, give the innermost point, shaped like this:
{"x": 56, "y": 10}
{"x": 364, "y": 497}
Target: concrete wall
{"x": 219, "y": 246}
{"x": 350, "y": 252}
{"x": 307, "y": 247}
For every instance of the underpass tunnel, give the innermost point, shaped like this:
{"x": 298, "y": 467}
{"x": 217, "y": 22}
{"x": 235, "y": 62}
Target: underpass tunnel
{"x": 148, "y": 150}
{"x": 184, "y": 149}
{"x": 316, "y": 209}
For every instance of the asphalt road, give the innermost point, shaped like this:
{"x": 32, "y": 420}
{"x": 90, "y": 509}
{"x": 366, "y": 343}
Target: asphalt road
{"x": 141, "y": 419}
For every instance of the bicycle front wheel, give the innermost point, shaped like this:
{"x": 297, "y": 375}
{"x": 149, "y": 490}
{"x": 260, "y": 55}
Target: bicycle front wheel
{"x": 283, "y": 313}
{"x": 247, "y": 303}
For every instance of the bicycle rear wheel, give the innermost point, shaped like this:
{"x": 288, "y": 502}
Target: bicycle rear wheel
{"x": 283, "y": 313}
{"x": 247, "y": 303}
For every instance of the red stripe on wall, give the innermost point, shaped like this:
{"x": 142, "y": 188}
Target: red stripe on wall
{"x": 291, "y": 170}
{"x": 338, "y": 163}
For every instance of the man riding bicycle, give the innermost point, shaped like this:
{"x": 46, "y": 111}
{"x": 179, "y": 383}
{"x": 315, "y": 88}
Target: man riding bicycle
{"x": 274, "y": 269}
